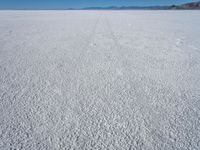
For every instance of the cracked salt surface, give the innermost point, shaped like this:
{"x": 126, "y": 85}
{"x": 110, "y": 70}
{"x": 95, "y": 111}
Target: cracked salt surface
{"x": 100, "y": 80}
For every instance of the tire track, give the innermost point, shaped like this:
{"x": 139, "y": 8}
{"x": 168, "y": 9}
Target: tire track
{"x": 144, "y": 123}
{"x": 86, "y": 49}
{"x": 81, "y": 62}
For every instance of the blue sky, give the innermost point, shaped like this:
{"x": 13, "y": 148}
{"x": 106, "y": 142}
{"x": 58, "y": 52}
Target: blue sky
{"x": 62, "y": 4}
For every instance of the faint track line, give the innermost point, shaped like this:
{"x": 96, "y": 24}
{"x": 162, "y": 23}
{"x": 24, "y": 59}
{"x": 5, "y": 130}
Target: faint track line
{"x": 91, "y": 37}
{"x": 81, "y": 60}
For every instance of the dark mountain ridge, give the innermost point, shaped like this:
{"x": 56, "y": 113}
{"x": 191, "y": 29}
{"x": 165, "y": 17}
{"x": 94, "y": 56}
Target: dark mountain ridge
{"x": 187, "y": 6}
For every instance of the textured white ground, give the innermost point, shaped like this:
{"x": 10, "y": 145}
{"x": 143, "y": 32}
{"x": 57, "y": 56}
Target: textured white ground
{"x": 100, "y": 80}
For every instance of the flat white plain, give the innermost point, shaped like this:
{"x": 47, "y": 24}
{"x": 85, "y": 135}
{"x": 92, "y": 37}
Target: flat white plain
{"x": 100, "y": 80}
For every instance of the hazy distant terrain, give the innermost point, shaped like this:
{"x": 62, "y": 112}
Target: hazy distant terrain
{"x": 100, "y": 80}
{"x": 187, "y": 6}
{"x": 193, "y": 5}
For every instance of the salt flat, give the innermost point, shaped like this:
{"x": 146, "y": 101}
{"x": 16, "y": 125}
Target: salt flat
{"x": 100, "y": 80}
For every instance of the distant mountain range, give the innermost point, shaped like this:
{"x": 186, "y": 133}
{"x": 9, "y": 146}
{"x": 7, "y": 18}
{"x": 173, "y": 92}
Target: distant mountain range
{"x": 187, "y": 6}
{"x": 193, "y": 5}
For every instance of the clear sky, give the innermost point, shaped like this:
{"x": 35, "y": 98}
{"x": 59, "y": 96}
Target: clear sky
{"x": 62, "y": 4}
